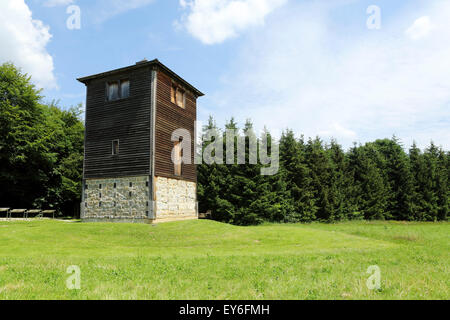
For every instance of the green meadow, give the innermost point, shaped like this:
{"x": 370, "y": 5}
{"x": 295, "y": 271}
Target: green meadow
{"x": 210, "y": 260}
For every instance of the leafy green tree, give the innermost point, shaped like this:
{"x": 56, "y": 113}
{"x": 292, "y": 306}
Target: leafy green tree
{"x": 64, "y": 189}
{"x": 41, "y": 147}
{"x": 25, "y": 157}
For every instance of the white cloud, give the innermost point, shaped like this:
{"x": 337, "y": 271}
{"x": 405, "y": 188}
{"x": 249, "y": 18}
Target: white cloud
{"x": 214, "y": 21}
{"x": 56, "y": 3}
{"x": 420, "y": 28}
{"x": 23, "y": 42}
{"x": 306, "y": 72}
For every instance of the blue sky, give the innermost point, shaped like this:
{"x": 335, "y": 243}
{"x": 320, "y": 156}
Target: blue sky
{"x": 313, "y": 66}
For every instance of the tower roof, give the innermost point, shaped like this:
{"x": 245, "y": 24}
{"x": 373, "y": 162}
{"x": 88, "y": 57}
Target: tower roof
{"x": 141, "y": 64}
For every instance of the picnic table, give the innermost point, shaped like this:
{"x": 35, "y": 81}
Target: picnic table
{"x": 26, "y": 213}
{"x": 49, "y": 212}
{"x": 34, "y": 212}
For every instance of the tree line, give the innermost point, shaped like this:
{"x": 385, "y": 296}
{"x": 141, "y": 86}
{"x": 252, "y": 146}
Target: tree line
{"x": 319, "y": 181}
{"x": 41, "y": 162}
{"x": 41, "y": 148}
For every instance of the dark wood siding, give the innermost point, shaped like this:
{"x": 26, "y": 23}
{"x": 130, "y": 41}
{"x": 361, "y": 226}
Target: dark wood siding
{"x": 127, "y": 120}
{"x": 170, "y": 117}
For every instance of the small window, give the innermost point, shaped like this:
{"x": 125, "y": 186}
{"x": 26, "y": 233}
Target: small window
{"x": 124, "y": 89}
{"x": 118, "y": 90}
{"x": 177, "y": 96}
{"x": 113, "y": 91}
{"x": 177, "y": 158}
{"x": 115, "y": 147}
{"x": 115, "y": 185}
{"x": 99, "y": 186}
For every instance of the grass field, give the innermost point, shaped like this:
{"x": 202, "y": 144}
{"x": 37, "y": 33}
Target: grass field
{"x": 210, "y": 260}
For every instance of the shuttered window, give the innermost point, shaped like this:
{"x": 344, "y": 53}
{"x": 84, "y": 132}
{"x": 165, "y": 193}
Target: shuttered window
{"x": 177, "y": 96}
{"x": 173, "y": 93}
{"x": 180, "y": 98}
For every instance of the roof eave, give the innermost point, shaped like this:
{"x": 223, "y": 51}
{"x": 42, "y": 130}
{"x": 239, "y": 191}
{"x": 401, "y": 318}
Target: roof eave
{"x": 154, "y": 62}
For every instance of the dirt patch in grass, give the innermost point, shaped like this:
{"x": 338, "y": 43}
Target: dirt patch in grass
{"x": 12, "y": 287}
{"x": 409, "y": 237}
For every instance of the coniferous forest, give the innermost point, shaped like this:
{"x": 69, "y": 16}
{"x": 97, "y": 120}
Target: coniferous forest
{"x": 319, "y": 181}
{"x": 41, "y": 156}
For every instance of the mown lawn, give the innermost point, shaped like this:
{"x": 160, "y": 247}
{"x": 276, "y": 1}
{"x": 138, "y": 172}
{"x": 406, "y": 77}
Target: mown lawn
{"x": 210, "y": 260}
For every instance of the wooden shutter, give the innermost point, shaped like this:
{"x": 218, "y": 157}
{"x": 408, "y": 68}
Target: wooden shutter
{"x": 173, "y": 93}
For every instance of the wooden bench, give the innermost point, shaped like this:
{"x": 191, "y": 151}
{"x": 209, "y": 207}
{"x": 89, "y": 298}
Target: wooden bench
{"x": 18, "y": 211}
{"x": 206, "y": 215}
{"x": 49, "y": 212}
{"x": 5, "y": 211}
{"x": 33, "y": 212}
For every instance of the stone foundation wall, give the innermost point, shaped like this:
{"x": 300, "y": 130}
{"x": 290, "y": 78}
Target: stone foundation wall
{"x": 127, "y": 200}
{"x": 117, "y": 198}
{"x": 175, "y": 199}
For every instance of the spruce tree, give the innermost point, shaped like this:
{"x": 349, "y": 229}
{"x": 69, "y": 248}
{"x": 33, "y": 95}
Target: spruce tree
{"x": 431, "y": 185}
{"x": 370, "y": 192}
{"x": 320, "y": 170}
{"x": 399, "y": 178}
{"x": 418, "y": 172}
{"x": 442, "y": 186}
{"x": 211, "y": 181}
{"x": 298, "y": 179}
{"x": 339, "y": 183}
